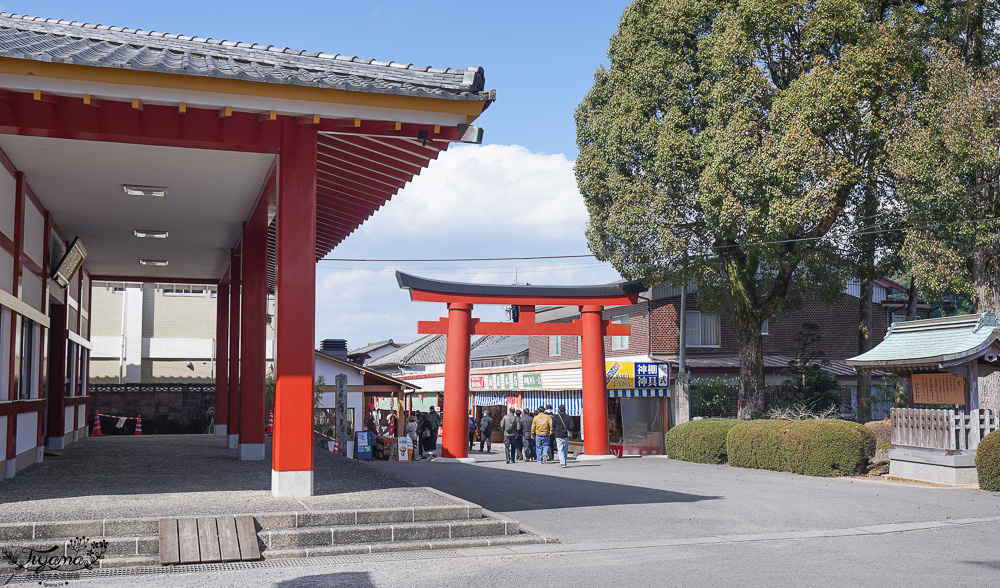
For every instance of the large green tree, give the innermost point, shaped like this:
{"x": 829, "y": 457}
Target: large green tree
{"x": 727, "y": 142}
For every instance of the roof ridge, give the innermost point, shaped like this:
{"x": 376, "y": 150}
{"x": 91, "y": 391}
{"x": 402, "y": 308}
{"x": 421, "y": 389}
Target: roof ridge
{"x": 471, "y": 75}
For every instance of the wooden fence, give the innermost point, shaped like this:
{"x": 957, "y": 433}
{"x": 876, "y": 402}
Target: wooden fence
{"x": 941, "y": 429}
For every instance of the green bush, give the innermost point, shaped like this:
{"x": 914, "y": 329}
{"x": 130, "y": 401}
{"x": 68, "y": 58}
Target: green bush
{"x": 818, "y": 447}
{"x": 757, "y": 444}
{"x": 703, "y": 441}
{"x": 715, "y": 396}
{"x": 825, "y": 447}
{"x": 988, "y": 462}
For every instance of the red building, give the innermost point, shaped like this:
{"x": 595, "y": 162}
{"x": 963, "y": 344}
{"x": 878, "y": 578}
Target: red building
{"x": 193, "y": 160}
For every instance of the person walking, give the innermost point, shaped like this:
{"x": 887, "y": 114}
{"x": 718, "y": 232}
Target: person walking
{"x": 410, "y": 431}
{"x": 511, "y": 427}
{"x": 426, "y": 438}
{"x": 519, "y": 439}
{"x": 528, "y": 440}
{"x": 486, "y": 433}
{"x": 435, "y": 426}
{"x": 472, "y": 430}
{"x": 541, "y": 428}
{"x": 561, "y": 426}
{"x": 552, "y": 438}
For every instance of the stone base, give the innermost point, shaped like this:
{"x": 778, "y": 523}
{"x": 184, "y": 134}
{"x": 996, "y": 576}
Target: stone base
{"x": 57, "y": 443}
{"x": 294, "y": 484}
{"x": 220, "y": 430}
{"x": 454, "y": 460}
{"x": 234, "y": 441}
{"x": 251, "y": 451}
{"x": 937, "y": 466}
{"x": 585, "y": 457}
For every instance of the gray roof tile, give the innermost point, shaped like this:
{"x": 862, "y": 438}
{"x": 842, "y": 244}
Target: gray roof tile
{"x": 61, "y": 41}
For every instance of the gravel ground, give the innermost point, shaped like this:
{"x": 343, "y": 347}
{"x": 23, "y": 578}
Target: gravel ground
{"x": 177, "y": 475}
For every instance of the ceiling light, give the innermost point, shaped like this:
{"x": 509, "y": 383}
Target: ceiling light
{"x": 134, "y": 190}
{"x": 156, "y": 262}
{"x": 150, "y": 234}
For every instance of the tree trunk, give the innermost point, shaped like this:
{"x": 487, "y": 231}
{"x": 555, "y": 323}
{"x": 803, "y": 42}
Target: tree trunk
{"x": 986, "y": 283}
{"x": 751, "y": 402}
{"x": 864, "y": 406}
{"x": 911, "y": 300}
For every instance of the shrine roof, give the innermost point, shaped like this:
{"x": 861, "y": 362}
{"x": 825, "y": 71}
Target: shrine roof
{"x": 76, "y": 43}
{"x": 933, "y": 343}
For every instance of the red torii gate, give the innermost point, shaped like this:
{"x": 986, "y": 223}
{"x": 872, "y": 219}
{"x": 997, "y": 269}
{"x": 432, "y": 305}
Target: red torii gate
{"x": 460, "y": 326}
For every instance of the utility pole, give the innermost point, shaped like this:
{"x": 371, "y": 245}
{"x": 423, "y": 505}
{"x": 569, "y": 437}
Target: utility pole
{"x": 682, "y": 387}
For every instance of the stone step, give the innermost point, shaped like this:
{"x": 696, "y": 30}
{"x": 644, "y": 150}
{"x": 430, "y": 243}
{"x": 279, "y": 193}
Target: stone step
{"x": 117, "y": 546}
{"x": 304, "y": 537}
{"x": 366, "y": 548}
{"x": 280, "y": 520}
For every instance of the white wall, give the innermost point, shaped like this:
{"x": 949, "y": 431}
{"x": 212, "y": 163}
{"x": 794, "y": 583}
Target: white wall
{"x": 176, "y": 348}
{"x": 3, "y": 439}
{"x": 329, "y": 370}
{"x": 7, "y": 188}
{"x": 6, "y": 272}
{"x": 69, "y": 420}
{"x": 132, "y": 299}
{"x": 31, "y": 289}
{"x": 34, "y": 232}
{"x": 27, "y": 432}
{"x": 81, "y": 417}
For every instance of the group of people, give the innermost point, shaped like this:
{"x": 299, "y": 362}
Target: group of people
{"x": 527, "y": 435}
{"x": 422, "y": 429}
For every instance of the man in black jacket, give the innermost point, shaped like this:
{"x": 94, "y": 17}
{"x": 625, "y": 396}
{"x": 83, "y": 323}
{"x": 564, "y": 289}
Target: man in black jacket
{"x": 486, "y": 433}
{"x": 562, "y": 424}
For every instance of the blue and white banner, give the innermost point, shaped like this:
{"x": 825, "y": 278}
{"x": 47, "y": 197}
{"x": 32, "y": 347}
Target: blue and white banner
{"x": 491, "y": 397}
{"x": 639, "y": 393}
{"x": 535, "y": 399}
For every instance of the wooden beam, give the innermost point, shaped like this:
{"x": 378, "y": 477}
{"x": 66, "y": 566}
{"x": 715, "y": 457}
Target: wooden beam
{"x": 267, "y": 116}
{"x": 182, "y": 108}
{"x": 45, "y": 97}
{"x": 226, "y": 112}
{"x": 91, "y": 101}
{"x": 308, "y": 120}
{"x": 440, "y": 327}
{"x": 137, "y": 104}
{"x": 6, "y": 94}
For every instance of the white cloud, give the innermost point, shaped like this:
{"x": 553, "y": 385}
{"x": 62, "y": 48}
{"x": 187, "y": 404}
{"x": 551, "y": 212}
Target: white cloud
{"x": 473, "y": 201}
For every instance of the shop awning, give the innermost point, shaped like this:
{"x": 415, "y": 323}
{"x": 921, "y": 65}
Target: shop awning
{"x": 491, "y": 397}
{"x": 535, "y": 399}
{"x": 639, "y": 393}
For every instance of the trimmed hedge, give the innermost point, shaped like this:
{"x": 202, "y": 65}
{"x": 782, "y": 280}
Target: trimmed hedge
{"x": 988, "y": 462}
{"x": 817, "y": 447}
{"x": 703, "y": 441}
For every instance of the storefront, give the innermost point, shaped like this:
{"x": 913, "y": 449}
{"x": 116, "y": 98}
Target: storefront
{"x": 638, "y": 399}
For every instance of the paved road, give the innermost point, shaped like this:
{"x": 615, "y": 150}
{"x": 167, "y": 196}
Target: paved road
{"x": 658, "y": 522}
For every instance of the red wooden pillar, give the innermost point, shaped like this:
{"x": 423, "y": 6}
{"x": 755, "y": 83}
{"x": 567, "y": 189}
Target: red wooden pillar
{"x": 292, "y": 465}
{"x": 595, "y": 393}
{"x": 222, "y": 357}
{"x": 253, "y": 341}
{"x": 235, "y": 285}
{"x": 55, "y": 435}
{"x": 455, "y": 441}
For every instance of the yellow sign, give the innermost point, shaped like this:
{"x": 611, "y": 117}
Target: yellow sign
{"x": 625, "y": 375}
{"x": 938, "y": 389}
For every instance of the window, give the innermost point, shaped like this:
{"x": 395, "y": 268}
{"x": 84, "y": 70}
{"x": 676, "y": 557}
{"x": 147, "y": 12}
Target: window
{"x": 898, "y": 318}
{"x": 702, "y": 329}
{"x": 555, "y": 345}
{"x": 617, "y": 342}
{"x": 765, "y": 328}
{"x": 181, "y": 290}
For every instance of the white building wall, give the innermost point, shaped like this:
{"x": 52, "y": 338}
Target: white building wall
{"x": 6, "y": 271}
{"x": 132, "y": 299}
{"x": 8, "y": 186}
{"x": 34, "y": 231}
{"x": 27, "y": 432}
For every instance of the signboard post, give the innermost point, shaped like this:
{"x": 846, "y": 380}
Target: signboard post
{"x": 364, "y": 445}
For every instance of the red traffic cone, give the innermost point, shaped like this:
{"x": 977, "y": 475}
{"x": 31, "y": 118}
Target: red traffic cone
{"x": 270, "y": 423}
{"x": 138, "y": 425}
{"x": 97, "y": 424}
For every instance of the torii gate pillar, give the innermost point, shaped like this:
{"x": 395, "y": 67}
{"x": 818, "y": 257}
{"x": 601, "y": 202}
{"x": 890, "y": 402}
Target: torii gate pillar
{"x": 455, "y": 441}
{"x": 595, "y": 394}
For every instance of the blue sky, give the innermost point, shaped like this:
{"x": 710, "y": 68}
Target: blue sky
{"x": 513, "y": 196}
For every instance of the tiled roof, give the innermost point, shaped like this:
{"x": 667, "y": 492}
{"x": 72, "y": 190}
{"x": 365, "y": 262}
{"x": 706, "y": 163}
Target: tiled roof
{"x": 501, "y": 346}
{"x": 63, "y": 41}
{"x": 933, "y": 343}
{"x": 372, "y": 347}
{"x": 772, "y": 362}
{"x": 427, "y": 350}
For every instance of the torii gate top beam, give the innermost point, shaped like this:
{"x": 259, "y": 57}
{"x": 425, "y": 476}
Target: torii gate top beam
{"x": 428, "y": 290}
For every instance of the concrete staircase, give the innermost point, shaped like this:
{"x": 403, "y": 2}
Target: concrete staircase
{"x": 135, "y": 542}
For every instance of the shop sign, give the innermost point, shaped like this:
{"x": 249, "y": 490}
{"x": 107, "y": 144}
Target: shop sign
{"x": 938, "y": 389}
{"x": 506, "y": 381}
{"x": 621, "y": 375}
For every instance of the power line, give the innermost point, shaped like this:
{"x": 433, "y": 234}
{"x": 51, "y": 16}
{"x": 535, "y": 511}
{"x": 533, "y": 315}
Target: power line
{"x": 455, "y": 259}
